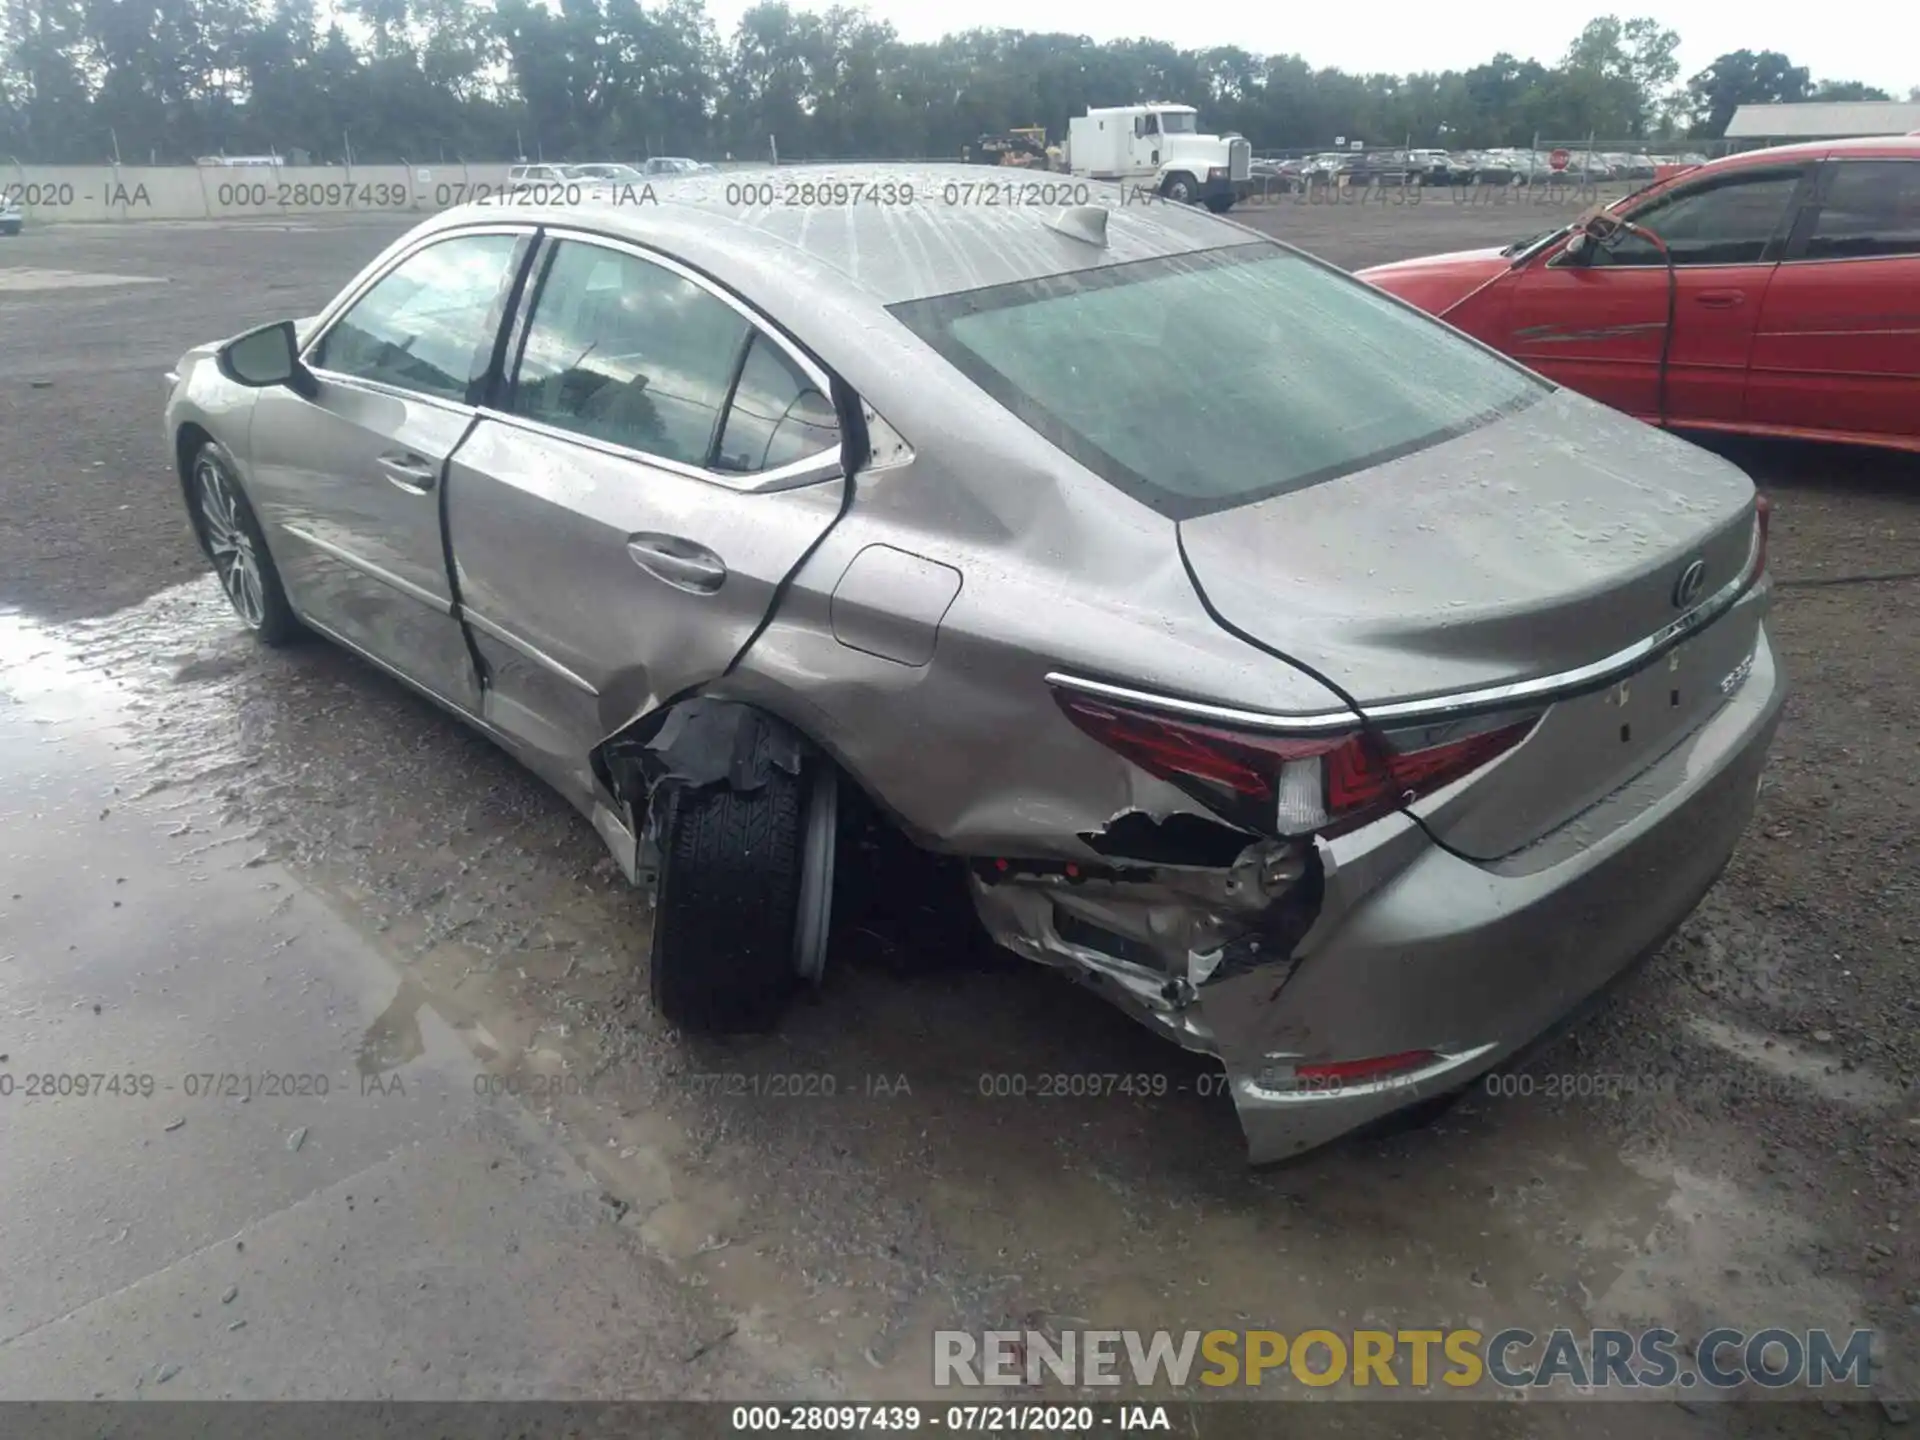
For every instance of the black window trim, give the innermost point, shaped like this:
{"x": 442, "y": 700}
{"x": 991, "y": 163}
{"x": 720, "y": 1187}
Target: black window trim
{"x": 828, "y": 464}
{"x": 344, "y": 302}
{"x": 1815, "y": 202}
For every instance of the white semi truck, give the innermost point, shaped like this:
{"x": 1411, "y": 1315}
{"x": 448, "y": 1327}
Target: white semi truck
{"x": 1160, "y": 147}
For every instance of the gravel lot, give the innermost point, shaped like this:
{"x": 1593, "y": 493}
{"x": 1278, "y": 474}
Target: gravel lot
{"x": 1756, "y": 1163}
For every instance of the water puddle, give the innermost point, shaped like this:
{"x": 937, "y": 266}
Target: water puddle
{"x": 849, "y": 1184}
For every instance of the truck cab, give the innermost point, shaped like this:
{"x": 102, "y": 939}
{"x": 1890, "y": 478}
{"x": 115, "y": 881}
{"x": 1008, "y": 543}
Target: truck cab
{"x": 1161, "y": 146}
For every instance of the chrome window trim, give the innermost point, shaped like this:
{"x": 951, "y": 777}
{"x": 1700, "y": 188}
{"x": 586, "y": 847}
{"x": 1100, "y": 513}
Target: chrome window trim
{"x": 1543, "y": 689}
{"x": 351, "y": 296}
{"x": 808, "y": 470}
{"x": 396, "y": 392}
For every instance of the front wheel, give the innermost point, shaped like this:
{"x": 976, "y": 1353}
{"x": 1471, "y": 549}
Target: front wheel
{"x": 1179, "y": 189}
{"x": 231, "y": 536}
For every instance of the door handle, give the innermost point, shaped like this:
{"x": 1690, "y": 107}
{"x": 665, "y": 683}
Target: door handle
{"x": 1720, "y": 299}
{"x": 680, "y": 562}
{"x": 410, "y": 472}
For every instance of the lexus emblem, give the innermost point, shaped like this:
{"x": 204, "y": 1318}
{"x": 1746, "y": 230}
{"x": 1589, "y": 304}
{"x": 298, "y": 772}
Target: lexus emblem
{"x": 1687, "y": 588}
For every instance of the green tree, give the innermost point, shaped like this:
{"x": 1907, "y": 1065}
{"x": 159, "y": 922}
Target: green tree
{"x": 1738, "y": 78}
{"x": 1846, "y": 90}
{"x": 1616, "y": 77}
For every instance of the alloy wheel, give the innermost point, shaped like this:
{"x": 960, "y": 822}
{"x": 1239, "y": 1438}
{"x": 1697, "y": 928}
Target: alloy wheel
{"x": 229, "y": 544}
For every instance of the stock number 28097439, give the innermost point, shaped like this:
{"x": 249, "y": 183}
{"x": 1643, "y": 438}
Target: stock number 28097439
{"x": 317, "y": 195}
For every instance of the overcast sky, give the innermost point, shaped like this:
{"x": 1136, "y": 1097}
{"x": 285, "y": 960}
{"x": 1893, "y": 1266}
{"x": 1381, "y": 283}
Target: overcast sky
{"x": 1852, "y": 40}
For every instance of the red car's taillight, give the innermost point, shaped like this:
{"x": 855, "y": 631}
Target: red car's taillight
{"x": 1292, "y": 785}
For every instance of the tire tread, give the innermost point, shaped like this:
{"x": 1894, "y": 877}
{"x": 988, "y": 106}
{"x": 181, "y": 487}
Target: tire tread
{"x": 729, "y": 895}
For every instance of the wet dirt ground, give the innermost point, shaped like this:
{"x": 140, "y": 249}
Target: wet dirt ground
{"x": 222, "y": 860}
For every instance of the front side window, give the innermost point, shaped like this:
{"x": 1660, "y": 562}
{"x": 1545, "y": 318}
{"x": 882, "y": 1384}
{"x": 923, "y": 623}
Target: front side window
{"x": 1872, "y": 208}
{"x": 428, "y": 325}
{"x": 1178, "y": 123}
{"x": 1199, "y": 382}
{"x": 1729, "y": 221}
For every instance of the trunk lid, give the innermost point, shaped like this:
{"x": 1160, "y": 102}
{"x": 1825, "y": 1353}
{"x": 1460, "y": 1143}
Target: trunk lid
{"x": 1542, "y": 543}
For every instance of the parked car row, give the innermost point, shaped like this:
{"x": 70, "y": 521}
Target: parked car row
{"x": 1503, "y": 166}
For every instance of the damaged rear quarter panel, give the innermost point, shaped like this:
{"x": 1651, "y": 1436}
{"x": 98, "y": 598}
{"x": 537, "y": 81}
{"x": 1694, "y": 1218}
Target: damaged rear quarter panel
{"x": 1058, "y": 570}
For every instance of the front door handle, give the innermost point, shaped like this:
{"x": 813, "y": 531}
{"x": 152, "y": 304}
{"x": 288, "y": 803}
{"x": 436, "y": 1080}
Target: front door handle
{"x": 680, "y": 562}
{"x": 1720, "y": 299}
{"x": 410, "y": 471}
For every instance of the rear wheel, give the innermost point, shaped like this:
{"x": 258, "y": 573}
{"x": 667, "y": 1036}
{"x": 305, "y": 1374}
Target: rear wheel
{"x": 742, "y": 908}
{"x": 1220, "y": 204}
{"x": 232, "y": 539}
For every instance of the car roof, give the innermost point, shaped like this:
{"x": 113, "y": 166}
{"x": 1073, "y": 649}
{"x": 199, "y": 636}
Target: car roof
{"x": 964, "y": 228}
{"x": 1907, "y": 145}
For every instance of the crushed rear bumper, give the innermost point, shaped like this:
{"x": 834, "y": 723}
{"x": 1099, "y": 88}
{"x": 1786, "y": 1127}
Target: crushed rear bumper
{"x": 1417, "y": 950}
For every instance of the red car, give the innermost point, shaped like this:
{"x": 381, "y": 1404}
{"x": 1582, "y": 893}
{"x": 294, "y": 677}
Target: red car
{"x": 1786, "y": 302}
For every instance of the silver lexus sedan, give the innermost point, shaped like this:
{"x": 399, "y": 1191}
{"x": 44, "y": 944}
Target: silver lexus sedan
{"x": 1338, "y": 697}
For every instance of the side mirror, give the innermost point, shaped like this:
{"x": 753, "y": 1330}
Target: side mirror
{"x": 1602, "y": 228}
{"x": 266, "y": 357}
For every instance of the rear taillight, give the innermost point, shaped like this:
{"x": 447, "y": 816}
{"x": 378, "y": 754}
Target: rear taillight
{"x": 1294, "y": 785}
{"x": 1762, "y": 524}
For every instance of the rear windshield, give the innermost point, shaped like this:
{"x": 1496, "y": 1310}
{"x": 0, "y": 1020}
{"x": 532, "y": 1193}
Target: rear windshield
{"x": 1200, "y": 382}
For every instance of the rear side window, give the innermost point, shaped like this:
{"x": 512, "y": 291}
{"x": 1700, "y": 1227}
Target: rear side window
{"x": 428, "y": 324}
{"x": 626, "y": 351}
{"x": 778, "y": 415}
{"x": 1872, "y": 208}
{"x": 1203, "y": 381}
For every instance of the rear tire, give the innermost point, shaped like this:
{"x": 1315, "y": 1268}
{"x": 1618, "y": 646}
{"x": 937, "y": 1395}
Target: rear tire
{"x": 233, "y": 541}
{"x": 727, "y": 905}
{"x": 1221, "y": 204}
